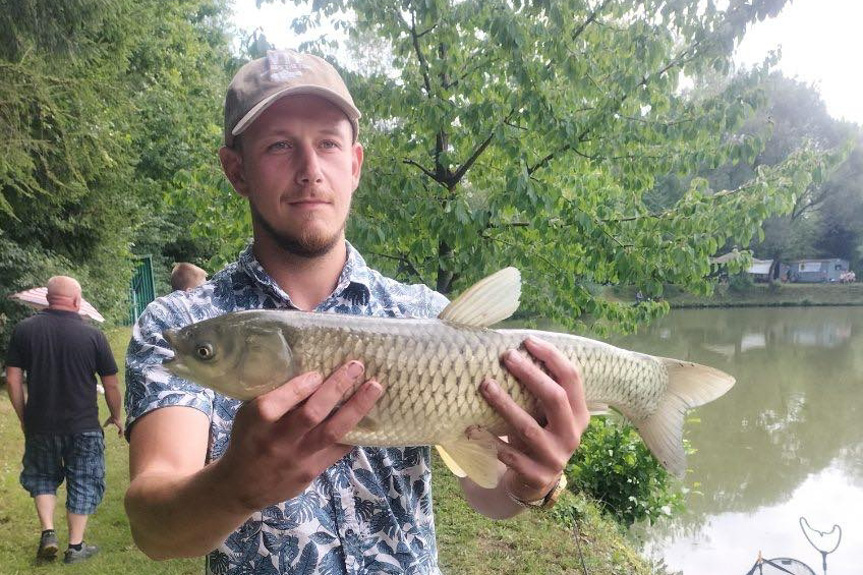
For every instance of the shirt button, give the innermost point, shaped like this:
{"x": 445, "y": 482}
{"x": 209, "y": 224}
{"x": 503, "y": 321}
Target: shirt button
{"x": 349, "y": 532}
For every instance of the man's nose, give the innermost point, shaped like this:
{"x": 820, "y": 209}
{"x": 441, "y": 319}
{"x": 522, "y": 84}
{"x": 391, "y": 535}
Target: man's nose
{"x": 309, "y": 166}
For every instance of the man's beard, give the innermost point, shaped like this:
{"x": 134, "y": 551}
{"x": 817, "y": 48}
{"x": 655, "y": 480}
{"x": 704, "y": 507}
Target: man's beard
{"x": 308, "y": 246}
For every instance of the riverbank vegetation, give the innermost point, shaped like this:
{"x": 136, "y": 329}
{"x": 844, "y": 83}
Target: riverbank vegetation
{"x": 772, "y": 295}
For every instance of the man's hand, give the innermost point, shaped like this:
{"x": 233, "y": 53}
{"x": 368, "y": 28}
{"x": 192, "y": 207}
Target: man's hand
{"x": 117, "y": 422}
{"x": 537, "y": 451}
{"x": 282, "y": 440}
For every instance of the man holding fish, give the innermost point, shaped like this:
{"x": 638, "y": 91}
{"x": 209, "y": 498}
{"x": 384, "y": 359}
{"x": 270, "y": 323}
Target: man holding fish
{"x": 266, "y": 485}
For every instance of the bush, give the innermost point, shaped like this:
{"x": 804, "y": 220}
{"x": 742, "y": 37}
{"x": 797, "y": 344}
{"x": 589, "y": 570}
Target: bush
{"x": 740, "y": 282}
{"x": 614, "y": 467}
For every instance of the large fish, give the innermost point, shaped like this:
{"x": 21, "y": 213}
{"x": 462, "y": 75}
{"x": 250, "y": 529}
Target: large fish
{"x": 430, "y": 370}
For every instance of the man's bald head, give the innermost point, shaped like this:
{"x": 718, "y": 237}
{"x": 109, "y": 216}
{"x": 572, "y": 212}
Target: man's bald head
{"x": 64, "y": 293}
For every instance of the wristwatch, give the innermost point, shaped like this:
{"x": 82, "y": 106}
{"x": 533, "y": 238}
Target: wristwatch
{"x": 546, "y": 502}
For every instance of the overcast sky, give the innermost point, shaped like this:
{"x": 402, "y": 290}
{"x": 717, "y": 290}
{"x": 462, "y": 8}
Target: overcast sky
{"x": 821, "y": 42}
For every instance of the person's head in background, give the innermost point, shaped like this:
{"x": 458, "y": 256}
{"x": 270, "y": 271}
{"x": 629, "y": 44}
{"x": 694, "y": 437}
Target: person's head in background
{"x": 64, "y": 293}
{"x": 186, "y": 276}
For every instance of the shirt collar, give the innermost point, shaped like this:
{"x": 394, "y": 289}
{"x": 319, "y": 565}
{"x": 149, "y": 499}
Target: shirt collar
{"x": 356, "y": 275}
{"x": 63, "y": 313}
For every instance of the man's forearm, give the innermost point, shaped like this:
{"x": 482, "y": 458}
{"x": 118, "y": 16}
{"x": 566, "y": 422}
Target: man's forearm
{"x": 15, "y": 389}
{"x": 493, "y": 503}
{"x": 181, "y": 517}
{"x": 113, "y": 397}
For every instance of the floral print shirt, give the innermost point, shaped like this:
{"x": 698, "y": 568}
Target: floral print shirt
{"x": 371, "y": 512}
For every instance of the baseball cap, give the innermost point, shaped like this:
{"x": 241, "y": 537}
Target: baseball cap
{"x": 282, "y": 73}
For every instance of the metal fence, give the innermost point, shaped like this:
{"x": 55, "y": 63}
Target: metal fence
{"x": 143, "y": 288}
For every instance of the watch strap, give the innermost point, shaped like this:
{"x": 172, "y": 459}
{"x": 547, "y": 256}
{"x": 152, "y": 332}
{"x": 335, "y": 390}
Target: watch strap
{"x": 546, "y": 502}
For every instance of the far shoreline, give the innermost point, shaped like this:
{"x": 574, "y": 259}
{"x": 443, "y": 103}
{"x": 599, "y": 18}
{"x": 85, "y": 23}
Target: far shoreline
{"x": 765, "y": 295}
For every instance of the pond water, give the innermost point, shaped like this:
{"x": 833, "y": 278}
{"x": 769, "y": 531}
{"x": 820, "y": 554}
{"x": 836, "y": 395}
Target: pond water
{"x": 786, "y": 442}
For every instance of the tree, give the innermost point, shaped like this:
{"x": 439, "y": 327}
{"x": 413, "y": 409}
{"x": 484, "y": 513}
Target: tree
{"x": 529, "y": 133}
{"x": 58, "y": 166}
{"x": 841, "y": 231}
{"x": 100, "y": 106}
{"x": 821, "y": 222}
{"x": 177, "y": 76}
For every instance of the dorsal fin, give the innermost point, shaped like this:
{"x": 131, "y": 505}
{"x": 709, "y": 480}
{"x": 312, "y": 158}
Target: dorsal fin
{"x": 487, "y": 302}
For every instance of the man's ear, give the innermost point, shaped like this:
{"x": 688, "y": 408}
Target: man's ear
{"x": 232, "y": 165}
{"x": 357, "y": 165}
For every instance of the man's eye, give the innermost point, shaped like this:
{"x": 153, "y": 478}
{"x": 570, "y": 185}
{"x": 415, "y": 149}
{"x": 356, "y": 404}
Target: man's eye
{"x": 329, "y": 144}
{"x": 279, "y": 146}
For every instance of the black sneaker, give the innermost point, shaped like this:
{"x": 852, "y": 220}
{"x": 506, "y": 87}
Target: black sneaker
{"x": 48, "y": 546}
{"x": 76, "y": 555}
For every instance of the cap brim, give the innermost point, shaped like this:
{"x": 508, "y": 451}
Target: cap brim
{"x": 349, "y": 109}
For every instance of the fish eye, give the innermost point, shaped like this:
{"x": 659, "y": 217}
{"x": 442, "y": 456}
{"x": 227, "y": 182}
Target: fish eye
{"x": 205, "y": 351}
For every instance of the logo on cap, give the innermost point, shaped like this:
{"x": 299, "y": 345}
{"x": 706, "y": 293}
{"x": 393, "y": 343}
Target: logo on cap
{"x": 284, "y": 66}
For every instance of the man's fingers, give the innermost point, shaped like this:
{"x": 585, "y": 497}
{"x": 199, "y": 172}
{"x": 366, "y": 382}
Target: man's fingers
{"x": 565, "y": 373}
{"x": 337, "y": 387}
{"x": 272, "y": 406}
{"x": 522, "y": 424}
{"x": 550, "y": 392}
{"x": 347, "y": 416}
{"x": 112, "y": 421}
{"x": 533, "y": 478}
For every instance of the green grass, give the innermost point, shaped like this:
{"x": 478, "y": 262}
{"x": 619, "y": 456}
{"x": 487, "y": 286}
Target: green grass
{"x": 108, "y": 527}
{"x": 533, "y": 542}
{"x": 468, "y": 543}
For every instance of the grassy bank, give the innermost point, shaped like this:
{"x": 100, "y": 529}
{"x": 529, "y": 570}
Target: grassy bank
{"x": 774, "y": 295}
{"x": 468, "y": 544}
{"x": 765, "y": 295}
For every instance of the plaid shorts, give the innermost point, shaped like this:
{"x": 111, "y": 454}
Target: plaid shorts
{"x": 77, "y": 458}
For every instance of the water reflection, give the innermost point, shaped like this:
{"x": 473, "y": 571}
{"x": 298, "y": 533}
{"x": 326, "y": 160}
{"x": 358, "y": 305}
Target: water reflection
{"x": 790, "y": 433}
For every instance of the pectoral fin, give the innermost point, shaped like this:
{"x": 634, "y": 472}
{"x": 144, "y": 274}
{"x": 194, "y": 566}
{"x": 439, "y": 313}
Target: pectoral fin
{"x": 474, "y": 459}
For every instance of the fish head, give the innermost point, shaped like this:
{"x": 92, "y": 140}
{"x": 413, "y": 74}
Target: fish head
{"x": 232, "y": 354}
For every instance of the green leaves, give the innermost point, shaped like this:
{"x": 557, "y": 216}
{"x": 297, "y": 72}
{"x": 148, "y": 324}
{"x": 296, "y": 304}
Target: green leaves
{"x": 614, "y": 467}
{"x": 103, "y": 104}
{"x": 534, "y": 134}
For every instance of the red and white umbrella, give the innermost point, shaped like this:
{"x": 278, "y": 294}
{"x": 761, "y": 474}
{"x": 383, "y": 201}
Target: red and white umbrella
{"x": 38, "y": 298}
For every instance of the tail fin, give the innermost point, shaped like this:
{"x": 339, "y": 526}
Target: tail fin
{"x": 689, "y": 385}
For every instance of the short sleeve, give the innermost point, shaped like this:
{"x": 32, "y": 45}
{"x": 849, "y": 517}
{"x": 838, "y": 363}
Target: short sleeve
{"x": 149, "y": 386}
{"x": 105, "y": 364}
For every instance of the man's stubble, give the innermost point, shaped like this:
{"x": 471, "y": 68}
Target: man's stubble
{"x": 308, "y": 243}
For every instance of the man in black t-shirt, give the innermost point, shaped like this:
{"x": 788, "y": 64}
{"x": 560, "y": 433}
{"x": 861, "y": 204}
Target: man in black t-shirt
{"x": 59, "y": 413}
